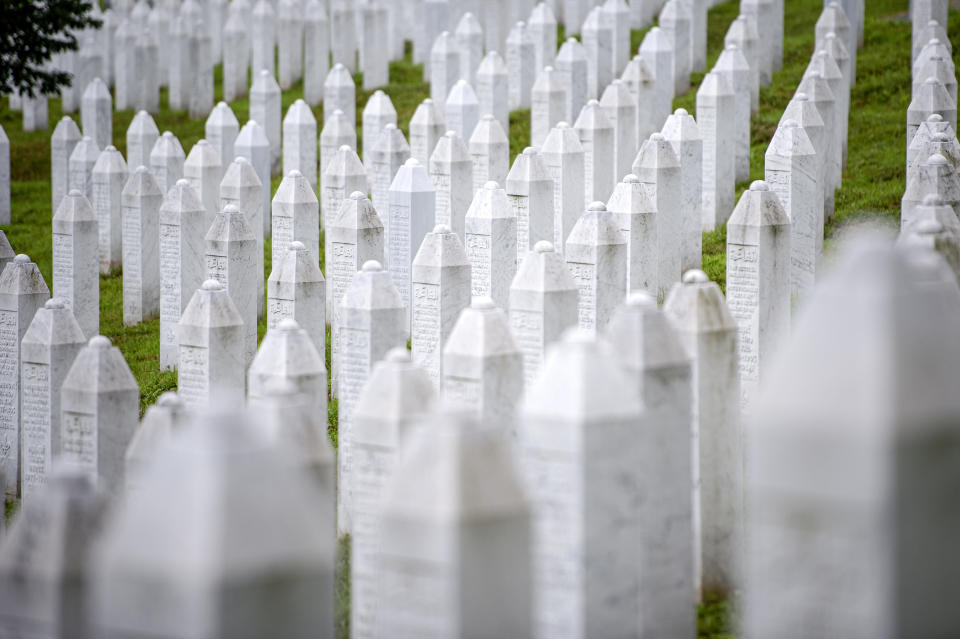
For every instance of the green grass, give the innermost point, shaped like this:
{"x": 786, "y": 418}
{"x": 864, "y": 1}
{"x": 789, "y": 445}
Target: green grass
{"x": 872, "y": 186}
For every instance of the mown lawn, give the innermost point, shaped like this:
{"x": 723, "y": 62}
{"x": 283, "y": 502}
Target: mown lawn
{"x": 872, "y": 186}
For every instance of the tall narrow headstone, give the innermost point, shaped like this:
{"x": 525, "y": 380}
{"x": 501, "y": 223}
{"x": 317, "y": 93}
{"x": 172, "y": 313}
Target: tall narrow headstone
{"x": 296, "y": 215}
{"x": 597, "y": 37}
{"x": 300, "y": 142}
{"x": 288, "y": 355}
{"x": 657, "y": 51}
{"x": 571, "y": 65}
{"x": 410, "y": 213}
{"x": 490, "y": 152}
{"x": 762, "y": 13}
{"x": 263, "y": 36}
{"x": 339, "y": 92}
{"x": 493, "y": 88}
{"x": 231, "y": 260}
{"x": 183, "y": 225}
{"x": 716, "y": 109}
{"x": 530, "y": 190}
{"x": 564, "y": 156}
{"x": 344, "y": 175}
{"x": 708, "y": 332}
{"x": 675, "y": 20}
{"x": 202, "y": 169}
{"x": 65, "y": 137}
{"x": 521, "y": 69}
{"x": 221, "y": 130}
{"x": 96, "y": 112}
{"x": 316, "y": 51}
{"x": 252, "y": 144}
{"x": 441, "y": 290}
{"x": 146, "y": 74}
{"x": 743, "y": 33}
{"x": 426, "y": 128}
{"x": 337, "y": 131}
{"x": 166, "y": 161}
{"x": 579, "y": 451}
{"x": 621, "y": 110}
{"x": 596, "y": 254}
{"x": 636, "y": 217}
{"x": 639, "y": 80}
{"x": 141, "y": 198}
{"x": 758, "y": 283}
{"x": 935, "y": 176}
{"x": 469, "y": 37}
{"x": 374, "y": 61}
{"x": 211, "y": 359}
{"x": 242, "y": 188}
{"x": 543, "y": 30}
{"x": 444, "y": 66}
{"x": 451, "y": 169}
{"x": 76, "y": 260}
{"x": 99, "y": 412}
{"x": 683, "y": 134}
{"x": 548, "y": 99}
{"x": 109, "y": 176}
{"x": 82, "y": 161}
{"x": 658, "y": 168}
{"x": 142, "y": 134}
{"x": 296, "y": 290}
{"x": 735, "y": 67}
{"x": 265, "y": 108}
{"x": 290, "y": 17}
{"x": 462, "y": 109}
{"x": 371, "y": 321}
{"x": 658, "y": 368}
{"x": 377, "y": 114}
{"x": 236, "y": 56}
{"x": 596, "y": 135}
{"x": 490, "y": 240}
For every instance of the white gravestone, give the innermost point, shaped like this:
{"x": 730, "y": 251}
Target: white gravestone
{"x": 596, "y": 134}
{"x": 675, "y": 19}
{"x": 316, "y": 51}
{"x": 377, "y": 114}
{"x": 571, "y": 67}
{"x": 82, "y": 161}
{"x": 658, "y": 168}
{"x": 141, "y": 198}
{"x": 657, "y": 51}
{"x": 410, "y": 211}
{"x": 374, "y": 62}
{"x": 147, "y": 74}
{"x": 477, "y": 572}
{"x": 22, "y": 293}
{"x": 444, "y": 66}
{"x": 287, "y": 354}
{"x": 231, "y": 259}
{"x": 932, "y": 97}
{"x": 543, "y": 304}
{"x": 530, "y": 190}
{"x": 615, "y": 14}
{"x": 109, "y": 176}
{"x": 483, "y": 366}
{"x": 96, "y": 112}
{"x": 922, "y": 138}
{"x": 683, "y": 134}
{"x": 805, "y": 113}
{"x": 35, "y": 113}
{"x": 937, "y": 230}
{"x": 579, "y": 451}
{"x": 716, "y": 110}
{"x": 76, "y": 260}
{"x": 354, "y": 237}
{"x": 296, "y": 215}
{"x": 762, "y": 14}
{"x": 743, "y": 33}
{"x": 639, "y": 80}
{"x": 441, "y": 290}
{"x": 296, "y": 290}
{"x": 339, "y": 92}
{"x": 462, "y": 109}
{"x": 166, "y": 161}
{"x": 790, "y": 170}
{"x": 735, "y": 67}
{"x": 521, "y": 69}
{"x": 758, "y": 284}
{"x": 490, "y": 152}
{"x": 221, "y": 130}
{"x": 289, "y": 42}
{"x": 142, "y": 134}
{"x": 47, "y": 351}
{"x": 65, "y": 137}
{"x": 389, "y": 154}
{"x": 542, "y": 25}
{"x": 241, "y": 187}
{"x": 597, "y": 37}
{"x": 469, "y": 37}
{"x": 343, "y": 40}
{"x": 708, "y": 332}
{"x": 563, "y": 155}
{"x": 636, "y": 217}
{"x": 658, "y": 369}
{"x": 934, "y": 177}
{"x": 818, "y": 92}
{"x": 211, "y": 344}
{"x": 236, "y": 56}
{"x": 393, "y": 402}
{"x": 426, "y": 129}
{"x": 371, "y": 321}
{"x": 548, "y": 99}
{"x": 99, "y": 412}
{"x": 300, "y": 142}
{"x": 451, "y": 169}
{"x": 493, "y": 88}
{"x": 944, "y": 144}
{"x": 698, "y": 34}
{"x": 619, "y": 107}
{"x": 824, "y": 64}
{"x": 806, "y": 563}
{"x": 490, "y": 240}
{"x": 265, "y": 108}
{"x": 337, "y": 131}
{"x": 344, "y": 175}
{"x": 183, "y": 225}
{"x": 6, "y": 251}
{"x": 263, "y": 36}
{"x": 596, "y": 254}
{"x": 203, "y": 171}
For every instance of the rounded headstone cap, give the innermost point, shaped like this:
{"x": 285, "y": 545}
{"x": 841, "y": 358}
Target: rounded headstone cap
{"x": 549, "y": 68}
{"x": 74, "y": 193}
{"x": 183, "y": 182}
{"x": 940, "y": 137}
{"x": 295, "y": 173}
{"x": 929, "y": 227}
{"x": 390, "y": 126}
{"x": 695, "y": 276}
{"x": 543, "y": 246}
{"x": 937, "y": 160}
{"x": 731, "y": 46}
{"x": 487, "y": 117}
{"x": 933, "y": 22}
{"x": 931, "y": 80}
{"x": 641, "y": 299}
{"x": 412, "y": 162}
{"x": 288, "y": 325}
{"x": 482, "y": 303}
{"x": 296, "y": 245}
{"x": 338, "y": 66}
{"x": 169, "y": 399}
{"x": 442, "y": 228}
{"x": 630, "y": 178}
{"x": 593, "y": 101}
{"x": 371, "y": 266}
{"x": 932, "y": 200}
{"x": 428, "y": 101}
{"x": 212, "y": 285}
{"x": 935, "y": 117}
{"x": 220, "y": 104}
{"x": 265, "y": 73}
{"x": 562, "y": 125}
{"x": 491, "y": 185}
{"x": 55, "y": 303}
{"x": 759, "y": 185}
{"x": 110, "y": 148}
{"x": 571, "y": 39}
{"x": 166, "y": 134}
{"x": 597, "y": 206}
{"x": 240, "y": 159}
{"x": 450, "y": 134}
{"x": 358, "y": 195}
{"x": 934, "y": 41}
{"x": 22, "y": 258}
{"x": 577, "y": 335}
{"x": 790, "y": 124}
{"x": 657, "y": 137}
{"x": 530, "y": 150}
{"x": 99, "y": 342}
{"x": 801, "y": 97}
{"x": 398, "y": 355}
{"x": 202, "y": 142}
{"x": 338, "y": 111}
{"x": 680, "y": 111}
{"x": 141, "y": 169}
{"x": 231, "y": 209}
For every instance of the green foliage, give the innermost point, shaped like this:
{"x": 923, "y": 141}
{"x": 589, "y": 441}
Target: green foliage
{"x": 31, "y": 33}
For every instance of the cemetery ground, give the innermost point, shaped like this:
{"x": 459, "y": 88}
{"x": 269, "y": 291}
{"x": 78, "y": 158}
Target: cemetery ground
{"x": 873, "y": 181}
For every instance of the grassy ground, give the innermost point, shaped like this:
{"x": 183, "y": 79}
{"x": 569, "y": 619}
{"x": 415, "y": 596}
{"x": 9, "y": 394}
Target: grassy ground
{"x": 872, "y": 187}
